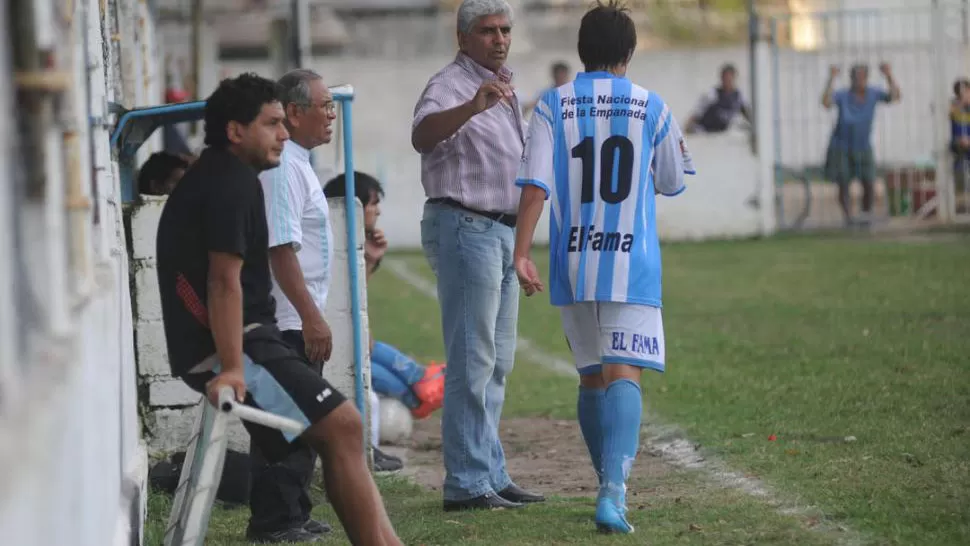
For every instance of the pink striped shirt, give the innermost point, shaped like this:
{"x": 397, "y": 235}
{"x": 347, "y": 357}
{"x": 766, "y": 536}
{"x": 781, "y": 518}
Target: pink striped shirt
{"x": 477, "y": 165}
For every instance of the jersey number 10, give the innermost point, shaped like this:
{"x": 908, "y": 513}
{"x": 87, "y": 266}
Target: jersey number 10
{"x": 616, "y": 148}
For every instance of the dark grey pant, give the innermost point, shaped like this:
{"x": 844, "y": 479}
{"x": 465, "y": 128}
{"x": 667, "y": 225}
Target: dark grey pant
{"x": 279, "y": 495}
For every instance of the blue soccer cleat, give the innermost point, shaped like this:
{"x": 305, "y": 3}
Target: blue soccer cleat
{"x": 610, "y": 518}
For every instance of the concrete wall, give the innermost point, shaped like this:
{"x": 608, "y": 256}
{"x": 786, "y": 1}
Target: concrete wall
{"x": 169, "y": 407}
{"x": 73, "y": 469}
{"x": 388, "y": 89}
{"x": 718, "y": 202}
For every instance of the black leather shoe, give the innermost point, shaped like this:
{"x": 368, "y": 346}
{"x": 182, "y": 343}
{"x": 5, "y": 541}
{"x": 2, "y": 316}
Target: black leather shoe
{"x": 488, "y": 501}
{"x": 514, "y": 493}
{"x": 286, "y": 536}
{"x": 384, "y": 462}
{"x": 315, "y": 527}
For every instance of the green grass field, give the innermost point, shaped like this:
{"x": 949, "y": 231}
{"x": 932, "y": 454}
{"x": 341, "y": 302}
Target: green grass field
{"x": 811, "y": 340}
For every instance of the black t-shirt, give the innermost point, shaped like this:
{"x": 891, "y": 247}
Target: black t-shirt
{"x": 217, "y": 207}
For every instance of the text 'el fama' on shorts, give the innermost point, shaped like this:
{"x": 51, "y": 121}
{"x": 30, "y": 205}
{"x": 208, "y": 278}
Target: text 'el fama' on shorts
{"x": 614, "y": 333}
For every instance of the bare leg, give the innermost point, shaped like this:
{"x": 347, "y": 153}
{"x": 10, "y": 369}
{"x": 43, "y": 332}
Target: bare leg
{"x": 868, "y": 195}
{"x": 845, "y": 200}
{"x": 339, "y": 439}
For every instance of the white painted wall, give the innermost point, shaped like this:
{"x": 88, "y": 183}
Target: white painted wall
{"x": 718, "y": 199}
{"x": 171, "y": 405}
{"x": 72, "y": 466}
{"x": 387, "y": 89}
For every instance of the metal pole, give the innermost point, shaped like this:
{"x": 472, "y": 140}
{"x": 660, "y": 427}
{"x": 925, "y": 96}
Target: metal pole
{"x": 944, "y": 174}
{"x": 197, "y": 21}
{"x": 753, "y": 32}
{"x": 300, "y": 26}
{"x": 345, "y": 95}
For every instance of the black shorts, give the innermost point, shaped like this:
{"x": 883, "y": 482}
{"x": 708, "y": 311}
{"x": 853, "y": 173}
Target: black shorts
{"x": 280, "y": 380}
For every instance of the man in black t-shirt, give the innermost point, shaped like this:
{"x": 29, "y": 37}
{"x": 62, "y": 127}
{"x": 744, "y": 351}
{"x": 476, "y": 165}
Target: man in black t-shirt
{"x": 214, "y": 282}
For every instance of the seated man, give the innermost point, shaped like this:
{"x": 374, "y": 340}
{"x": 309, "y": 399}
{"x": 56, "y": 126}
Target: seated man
{"x": 219, "y": 314}
{"x": 393, "y": 373}
{"x": 718, "y": 108}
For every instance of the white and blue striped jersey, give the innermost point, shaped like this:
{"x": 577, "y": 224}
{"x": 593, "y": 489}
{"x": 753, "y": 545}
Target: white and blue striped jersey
{"x": 601, "y": 147}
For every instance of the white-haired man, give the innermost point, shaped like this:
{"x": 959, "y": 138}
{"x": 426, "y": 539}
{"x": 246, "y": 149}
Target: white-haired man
{"x": 301, "y": 256}
{"x": 468, "y": 129}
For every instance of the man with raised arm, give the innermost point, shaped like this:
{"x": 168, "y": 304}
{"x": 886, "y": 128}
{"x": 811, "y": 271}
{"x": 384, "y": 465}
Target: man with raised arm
{"x": 468, "y": 129}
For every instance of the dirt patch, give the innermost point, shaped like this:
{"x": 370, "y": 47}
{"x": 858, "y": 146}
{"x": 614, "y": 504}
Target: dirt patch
{"x": 547, "y": 455}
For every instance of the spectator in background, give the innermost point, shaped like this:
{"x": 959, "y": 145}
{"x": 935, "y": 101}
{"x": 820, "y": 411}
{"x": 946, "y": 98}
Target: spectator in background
{"x": 849, "y": 153}
{"x": 469, "y": 131}
{"x": 960, "y": 135}
{"x": 161, "y": 172}
{"x": 561, "y": 75}
{"x": 393, "y": 373}
{"x": 719, "y": 107}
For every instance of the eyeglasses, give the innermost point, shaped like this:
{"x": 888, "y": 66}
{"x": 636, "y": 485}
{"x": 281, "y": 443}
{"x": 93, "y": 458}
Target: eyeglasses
{"x": 329, "y": 106}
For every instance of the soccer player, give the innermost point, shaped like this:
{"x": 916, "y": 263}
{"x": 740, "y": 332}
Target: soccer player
{"x": 599, "y": 148}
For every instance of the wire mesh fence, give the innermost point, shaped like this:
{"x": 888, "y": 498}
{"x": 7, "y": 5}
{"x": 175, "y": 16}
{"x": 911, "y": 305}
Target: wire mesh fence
{"x": 921, "y": 48}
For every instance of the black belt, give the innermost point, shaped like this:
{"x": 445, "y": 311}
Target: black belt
{"x": 501, "y": 217}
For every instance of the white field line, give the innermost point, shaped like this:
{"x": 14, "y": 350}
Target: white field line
{"x": 663, "y": 441}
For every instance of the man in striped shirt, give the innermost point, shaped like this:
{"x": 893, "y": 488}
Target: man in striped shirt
{"x": 599, "y": 148}
{"x": 468, "y": 129}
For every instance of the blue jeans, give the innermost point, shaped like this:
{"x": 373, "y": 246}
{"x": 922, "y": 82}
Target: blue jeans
{"x": 479, "y": 297}
{"x": 392, "y": 374}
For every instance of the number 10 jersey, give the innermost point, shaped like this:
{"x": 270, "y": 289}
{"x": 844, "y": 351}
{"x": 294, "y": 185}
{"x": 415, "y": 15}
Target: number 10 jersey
{"x": 601, "y": 147}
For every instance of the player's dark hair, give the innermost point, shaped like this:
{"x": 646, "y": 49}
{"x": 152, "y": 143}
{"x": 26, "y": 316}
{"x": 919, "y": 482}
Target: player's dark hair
{"x": 728, "y": 68}
{"x": 560, "y": 66}
{"x": 607, "y": 36}
{"x": 365, "y": 187}
{"x": 238, "y": 99}
{"x": 959, "y": 85}
{"x": 157, "y": 169}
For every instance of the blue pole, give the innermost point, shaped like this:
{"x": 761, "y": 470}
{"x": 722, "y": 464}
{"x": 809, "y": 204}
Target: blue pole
{"x": 345, "y": 100}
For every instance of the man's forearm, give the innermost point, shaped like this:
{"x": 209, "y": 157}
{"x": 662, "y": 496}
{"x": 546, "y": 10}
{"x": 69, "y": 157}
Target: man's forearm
{"x": 827, "y": 94}
{"x": 894, "y": 93}
{"x": 530, "y": 209}
{"x": 286, "y": 270}
{"x": 226, "y": 321}
{"x": 439, "y": 126}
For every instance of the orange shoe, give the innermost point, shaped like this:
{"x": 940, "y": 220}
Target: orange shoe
{"x": 430, "y": 391}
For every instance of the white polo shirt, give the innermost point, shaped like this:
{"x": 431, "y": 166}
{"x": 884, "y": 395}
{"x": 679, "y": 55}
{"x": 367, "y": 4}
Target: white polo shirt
{"x": 297, "y": 214}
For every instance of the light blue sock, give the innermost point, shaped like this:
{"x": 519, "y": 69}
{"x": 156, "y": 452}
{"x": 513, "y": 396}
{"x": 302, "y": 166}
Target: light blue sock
{"x": 622, "y": 406}
{"x": 589, "y": 408}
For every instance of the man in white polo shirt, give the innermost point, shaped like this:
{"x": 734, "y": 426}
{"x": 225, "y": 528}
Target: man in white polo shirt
{"x": 301, "y": 254}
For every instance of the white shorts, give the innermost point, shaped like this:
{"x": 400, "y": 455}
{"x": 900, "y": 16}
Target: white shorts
{"x": 603, "y": 332}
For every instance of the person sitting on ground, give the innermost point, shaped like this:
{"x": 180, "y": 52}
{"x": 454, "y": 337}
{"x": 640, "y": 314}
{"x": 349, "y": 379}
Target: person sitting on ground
{"x": 393, "y": 373}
